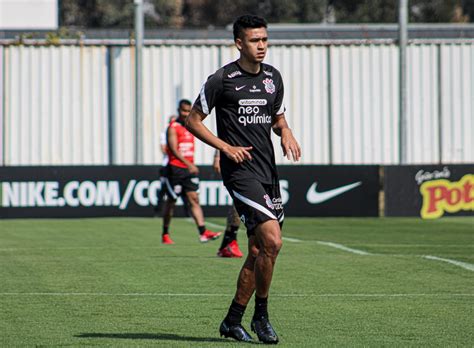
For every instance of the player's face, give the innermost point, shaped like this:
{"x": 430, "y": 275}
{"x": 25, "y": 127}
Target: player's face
{"x": 253, "y": 44}
{"x": 184, "y": 110}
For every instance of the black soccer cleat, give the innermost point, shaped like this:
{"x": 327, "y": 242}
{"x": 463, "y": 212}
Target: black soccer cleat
{"x": 264, "y": 330}
{"x": 237, "y": 332}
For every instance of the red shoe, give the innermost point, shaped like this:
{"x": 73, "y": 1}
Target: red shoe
{"x": 234, "y": 248}
{"x": 165, "y": 239}
{"x": 231, "y": 250}
{"x": 209, "y": 235}
{"x": 225, "y": 252}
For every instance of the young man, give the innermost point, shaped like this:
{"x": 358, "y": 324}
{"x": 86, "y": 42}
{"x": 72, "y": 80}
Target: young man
{"x": 248, "y": 97}
{"x": 164, "y": 165}
{"x": 181, "y": 175}
{"x": 229, "y": 246}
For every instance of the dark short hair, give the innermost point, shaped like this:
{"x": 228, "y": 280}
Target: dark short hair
{"x": 246, "y": 22}
{"x": 184, "y": 102}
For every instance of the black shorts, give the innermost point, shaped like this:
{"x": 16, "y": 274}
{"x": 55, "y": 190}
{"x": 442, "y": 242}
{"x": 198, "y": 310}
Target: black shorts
{"x": 179, "y": 180}
{"x": 256, "y": 202}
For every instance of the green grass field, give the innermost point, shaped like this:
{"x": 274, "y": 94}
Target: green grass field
{"x": 109, "y": 282}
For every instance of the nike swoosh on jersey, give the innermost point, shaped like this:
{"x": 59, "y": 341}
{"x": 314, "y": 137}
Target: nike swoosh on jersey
{"x": 315, "y": 197}
{"x": 239, "y": 88}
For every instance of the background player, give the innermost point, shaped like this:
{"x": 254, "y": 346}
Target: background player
{"x": 181, "y": 176}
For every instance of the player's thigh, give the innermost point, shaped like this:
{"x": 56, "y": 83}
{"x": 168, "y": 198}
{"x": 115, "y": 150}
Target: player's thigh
{"x": 253, "y": 203}
{"x": 190, "y": 183}
{"x": 174, "y": 181}
{"x": 171, "y": 187}
{"x": 268, "y": 235}
{"x": 192, "y": 197}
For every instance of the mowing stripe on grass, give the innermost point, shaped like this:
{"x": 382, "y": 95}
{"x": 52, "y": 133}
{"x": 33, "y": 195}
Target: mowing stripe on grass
{"x": 342, "y": 247}
{"x": 166, "y": 294}
{"x": 464, "y": 265}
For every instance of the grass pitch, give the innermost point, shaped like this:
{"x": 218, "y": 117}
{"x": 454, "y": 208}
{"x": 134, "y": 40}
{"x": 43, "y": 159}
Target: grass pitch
{"x": 338, "y": 282}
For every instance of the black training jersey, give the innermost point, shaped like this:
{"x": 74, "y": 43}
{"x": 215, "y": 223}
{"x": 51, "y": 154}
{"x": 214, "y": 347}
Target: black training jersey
{"x": 246, "y": 105}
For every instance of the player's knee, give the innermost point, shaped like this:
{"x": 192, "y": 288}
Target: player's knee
{"x": 193, "y": 200}
{"x": 254, "y": 251}
{"x": 277, "y": 245}
{"x": 273, "y": 247}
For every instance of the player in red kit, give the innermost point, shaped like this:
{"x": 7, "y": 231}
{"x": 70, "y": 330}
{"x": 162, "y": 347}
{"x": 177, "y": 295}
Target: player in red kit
{"x": 181, "y": 175}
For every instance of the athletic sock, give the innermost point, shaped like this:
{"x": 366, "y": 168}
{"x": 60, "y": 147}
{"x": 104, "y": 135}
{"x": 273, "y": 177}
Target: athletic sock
{"x": 229, "y": 236}
{"x": 235, "y": 313}
{"x": 165, "y": 230}
{"x": 201, "y": 229}
{"x": 260, "y": 307}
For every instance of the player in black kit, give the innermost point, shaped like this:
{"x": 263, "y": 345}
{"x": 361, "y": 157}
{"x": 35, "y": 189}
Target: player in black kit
{"x": 248, "y": 98}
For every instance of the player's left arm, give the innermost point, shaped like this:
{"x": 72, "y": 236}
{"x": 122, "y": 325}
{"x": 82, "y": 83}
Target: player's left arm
{"x": 291, "y": 148}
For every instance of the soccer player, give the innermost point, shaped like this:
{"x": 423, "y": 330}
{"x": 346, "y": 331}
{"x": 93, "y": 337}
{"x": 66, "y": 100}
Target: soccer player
{"x": 181, "y": 176}
{"x": 164, "y": 164}
{"x": 229, "y": 246}
{"x": 248, "y": 97}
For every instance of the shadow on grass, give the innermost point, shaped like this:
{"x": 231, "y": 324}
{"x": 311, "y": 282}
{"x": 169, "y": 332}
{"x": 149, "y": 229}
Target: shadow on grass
{"x": 151, "y": 336}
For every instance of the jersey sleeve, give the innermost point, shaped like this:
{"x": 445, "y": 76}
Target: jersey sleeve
{"x": 279, "y": 107}
{"x": 210, "y": 92}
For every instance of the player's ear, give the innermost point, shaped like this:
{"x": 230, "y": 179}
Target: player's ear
{"x": 238, "y": 43}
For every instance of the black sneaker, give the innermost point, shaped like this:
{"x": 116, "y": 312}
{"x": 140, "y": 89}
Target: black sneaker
{"x": 237, "y": 332}
{"x": 264, "y": 330}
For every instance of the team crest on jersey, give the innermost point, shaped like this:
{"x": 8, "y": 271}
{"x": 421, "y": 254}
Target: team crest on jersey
{"x": 268, "y": 201}
{"x": 269, "y": 86}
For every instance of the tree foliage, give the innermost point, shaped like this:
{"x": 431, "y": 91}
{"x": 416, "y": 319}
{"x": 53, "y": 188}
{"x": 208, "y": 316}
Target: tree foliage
{"x": 205, "y": 13}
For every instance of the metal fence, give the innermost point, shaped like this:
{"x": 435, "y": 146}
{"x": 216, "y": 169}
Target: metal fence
{"x": 74, "y": 104}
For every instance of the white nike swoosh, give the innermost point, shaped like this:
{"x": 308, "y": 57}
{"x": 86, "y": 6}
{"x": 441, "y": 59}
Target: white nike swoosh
{"x": 315, "y": 197}
{"x": 239, "y": 88}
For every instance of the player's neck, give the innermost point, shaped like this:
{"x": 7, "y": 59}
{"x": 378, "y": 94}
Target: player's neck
{"x": 251, "y": 67}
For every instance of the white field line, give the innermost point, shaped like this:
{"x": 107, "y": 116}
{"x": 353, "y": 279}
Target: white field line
{"x": 294, "y": 240}
{"x": 82, "y": 248}
{"x": 342, "y": 247}
{"x": 165, "y": 294}
{"x": 418, "y": 245}
{"x": 209, "y": 224}
{"x": 464, "y": 265}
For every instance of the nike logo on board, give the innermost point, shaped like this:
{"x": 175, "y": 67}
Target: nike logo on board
{"x": 315, "y": 197}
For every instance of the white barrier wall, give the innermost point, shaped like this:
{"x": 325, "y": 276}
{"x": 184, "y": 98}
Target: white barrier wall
{"x": 75, "y": 105}
{"x": 457, "y": 103}
{"x": 55, "y": 105}
{"x": 364, "y": 95}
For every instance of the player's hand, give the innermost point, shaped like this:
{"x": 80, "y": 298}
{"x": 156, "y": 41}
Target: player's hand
{"x": 193, "y": 169}
{"x": 216, "y": 165}
{"x": 290, "y": 146}
{"x": 238, "y": 154}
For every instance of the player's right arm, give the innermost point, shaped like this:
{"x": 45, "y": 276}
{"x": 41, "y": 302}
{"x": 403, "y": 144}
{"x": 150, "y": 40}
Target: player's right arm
{"x": 194, "y": 124}
{"x": 210, "y": 93}
{"x": 172, "y": 140}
